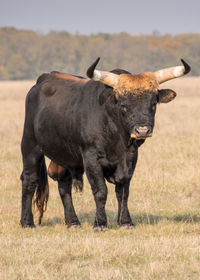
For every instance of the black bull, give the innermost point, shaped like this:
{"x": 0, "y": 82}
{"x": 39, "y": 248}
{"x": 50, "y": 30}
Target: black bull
{"x": 87, "y": 125}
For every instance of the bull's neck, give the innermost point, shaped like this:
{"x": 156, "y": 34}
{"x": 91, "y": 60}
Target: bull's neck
{"x": 114, "y": 116}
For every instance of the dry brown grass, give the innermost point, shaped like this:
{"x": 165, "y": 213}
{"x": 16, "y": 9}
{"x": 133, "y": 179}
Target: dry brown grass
{"x": 164, "y": 203}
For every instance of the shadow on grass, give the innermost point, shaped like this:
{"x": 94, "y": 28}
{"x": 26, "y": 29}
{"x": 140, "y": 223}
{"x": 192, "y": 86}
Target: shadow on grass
{"x": 146, "y": 218}
{"x": 138, "y": 219}
{"x": 52, "y": 222}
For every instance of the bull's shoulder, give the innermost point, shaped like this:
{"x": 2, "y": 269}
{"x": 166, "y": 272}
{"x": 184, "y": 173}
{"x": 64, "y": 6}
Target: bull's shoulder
{"x": 55, "y": 75}
{"x": 56, "y": 82}
{"x": 68, "y": 77}
{"x": 42, "y": 78}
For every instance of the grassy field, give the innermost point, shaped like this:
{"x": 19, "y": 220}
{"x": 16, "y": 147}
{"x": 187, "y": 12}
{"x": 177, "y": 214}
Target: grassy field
{"x": 164, "y": 203}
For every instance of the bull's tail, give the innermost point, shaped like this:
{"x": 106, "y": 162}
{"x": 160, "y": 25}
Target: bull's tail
{"x": 42, "y": 191}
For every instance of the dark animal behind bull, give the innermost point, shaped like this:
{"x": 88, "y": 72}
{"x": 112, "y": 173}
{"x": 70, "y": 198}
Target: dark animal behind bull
{"x": 94, "y": 126}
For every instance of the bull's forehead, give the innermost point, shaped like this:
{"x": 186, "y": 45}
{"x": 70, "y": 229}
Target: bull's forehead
{"x": 136, "y": 84}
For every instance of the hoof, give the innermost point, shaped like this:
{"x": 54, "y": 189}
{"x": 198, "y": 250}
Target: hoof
{"x": 74, "y": 226}
{"x": 127, "y": 226}
{"x": 28, "y": 225}
{"x": 102, "y": 228}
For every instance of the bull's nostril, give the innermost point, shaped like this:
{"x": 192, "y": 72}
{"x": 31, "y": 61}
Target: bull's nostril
{"x": 136, "y": 130}
{"x": 142, "y": 131}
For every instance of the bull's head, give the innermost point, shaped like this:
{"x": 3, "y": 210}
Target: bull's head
{"x": 138, "y": 95}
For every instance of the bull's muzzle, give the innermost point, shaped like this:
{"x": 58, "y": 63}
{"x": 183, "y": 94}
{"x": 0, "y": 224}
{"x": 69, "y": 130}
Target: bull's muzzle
{"x": 141, "y": 132}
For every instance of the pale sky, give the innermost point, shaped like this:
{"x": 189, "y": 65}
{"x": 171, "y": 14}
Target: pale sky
{"x": 107, "y": 16}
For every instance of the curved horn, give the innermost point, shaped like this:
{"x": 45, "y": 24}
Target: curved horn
{"x": 104, "y": 77}
{"x": 172, "y": 72}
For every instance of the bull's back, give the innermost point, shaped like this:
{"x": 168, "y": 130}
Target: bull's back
{"x": 55, "y": 118}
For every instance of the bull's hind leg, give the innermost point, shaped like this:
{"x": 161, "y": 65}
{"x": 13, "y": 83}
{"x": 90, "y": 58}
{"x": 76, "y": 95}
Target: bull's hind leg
{"x": 33, "y": 177}
{"x": 65, "y": 189}
{"x": 122, "y": 193}
{"x": 96, "y": 179}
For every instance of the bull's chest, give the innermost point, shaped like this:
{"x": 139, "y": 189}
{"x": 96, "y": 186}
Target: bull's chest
{"x": 118, "y": 167}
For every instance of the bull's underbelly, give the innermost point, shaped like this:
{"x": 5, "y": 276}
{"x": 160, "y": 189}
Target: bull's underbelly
{"x": 66, "y": 161}
{"x": 68, "y": 154}
{"x": 115, "y": 171}
{"x": 63, "y": 154}
{"x": 57, "y": 144}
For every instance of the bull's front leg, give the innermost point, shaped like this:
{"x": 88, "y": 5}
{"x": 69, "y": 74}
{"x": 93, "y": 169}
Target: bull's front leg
{"x": 95, "y": 177}
{"x": 122, "y": 193}
{"x": 122, "y": 190}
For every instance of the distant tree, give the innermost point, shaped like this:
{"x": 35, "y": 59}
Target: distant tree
{"x": 25, "y": 54}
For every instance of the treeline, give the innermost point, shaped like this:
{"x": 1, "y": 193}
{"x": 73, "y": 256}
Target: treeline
{"x": 25, "y": 54}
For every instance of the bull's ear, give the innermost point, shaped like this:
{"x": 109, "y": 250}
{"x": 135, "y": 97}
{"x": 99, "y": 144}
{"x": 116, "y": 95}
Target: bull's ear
{"x": 166, "y": 95}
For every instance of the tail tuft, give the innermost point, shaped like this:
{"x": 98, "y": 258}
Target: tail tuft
{"x": 42, "y": 191}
